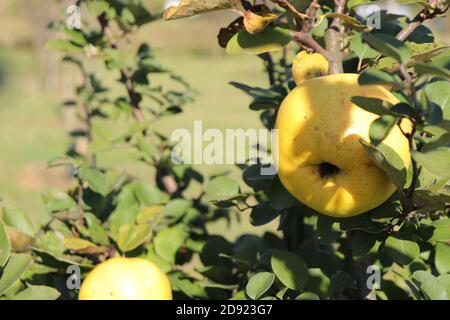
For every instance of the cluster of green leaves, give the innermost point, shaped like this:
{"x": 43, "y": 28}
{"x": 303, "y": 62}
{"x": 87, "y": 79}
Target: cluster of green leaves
{"x": 408, "y": 237}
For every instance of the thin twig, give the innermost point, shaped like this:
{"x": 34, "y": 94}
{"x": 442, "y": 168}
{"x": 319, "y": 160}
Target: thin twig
{"x": 285, "y": 4}
{"x": 420, "y": 18}
{"x": 424, "y": 15}
{"x": 304, "y": 37}
{"x": 409, "y": 205}
{"x": 270, "y": 69}
{"x": 168, "y": 181}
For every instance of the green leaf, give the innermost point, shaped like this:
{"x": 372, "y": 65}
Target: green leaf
{"x": 341, "y": 280}
{"x": 319, "y": 283}
{"x": 145, "y": 145}
{"x": 403, "y": 109}
{"x": 279, "y": 198}
{"x": 441, "y": 230}
{"x": 214, "y": 249}
{"x": 444, "y": 280}
{"x": 18, "y": 220}
{"x": 327, "y": 230}
{"x": 96, "y": 8}
{"x": 5, "y": 245}
{"x": 132, "y": 236}
{"x": 363, "y": 222}
{"x": 128, "y": 16}
{"x": 252, "y": 177}
{"x": 434, "y": 113}
{"x": 389, "y": 161}
{"x": 438, "y": 91}
{"x": 430, "y": 285}
{"x": 442, "y": 258}
{"x": 388, "y": 45}
{"x": 17, "y": 265}
{"x": 259, "y": 284}
{"x": 362, "y": 243}
{"x": 290, "y": 269}
{"x": 100, "y": 182}
{"x": 372, "y": 105}
{"x": 425, "y": 51}
{"x": 51, "y": 242}
{"x": 94, "y": 229}
{"x": 402, "y": 251}
{"x": 63, "y": 45}
{"x": 37, "y": 293}
{"x": 77, "y": 244}
{"x": 76, "y": 36}
{"x": 263, "y": 103}
{"x": 436, "y": 161}
{"x": 431, "y": 69}
{"x": 262, "y": 214}
{"x": 361, "y": 49}
{"x": 271, "y": 39}
{"x": 156, "y": 259}
{"x": 168, "y": 241}
{"x": 373, "y": 76}
{"x": 221, "y": 188}
{"x": 56, "y": 201}
{"x": 380, "y": 128}
{"x": 307, "y": 296}
{"x": 349, "y": 20}
{"x": 188, "y": 287}
{"x": 176, "y": 209}
{"x": 149, "y": 194}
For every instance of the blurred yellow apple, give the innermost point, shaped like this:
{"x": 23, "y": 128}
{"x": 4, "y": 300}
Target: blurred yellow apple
{"x": 126, "y": 279}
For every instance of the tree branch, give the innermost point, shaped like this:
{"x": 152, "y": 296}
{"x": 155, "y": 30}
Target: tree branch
{"x": 420, "y": 18}
{"x": 307, "y": 40}
{"x": 304, "y": 36}
{"x": 333, "y": 40}
{"x": 167, "y": 180}
{"x": 285, "y": 4}
{"x": 424, "y": 15}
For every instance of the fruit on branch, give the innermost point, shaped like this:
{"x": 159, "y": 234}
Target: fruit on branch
{"x": 321, "y": 159}
{"x": 309, "y": 65}
{"x": 126, "y": 279}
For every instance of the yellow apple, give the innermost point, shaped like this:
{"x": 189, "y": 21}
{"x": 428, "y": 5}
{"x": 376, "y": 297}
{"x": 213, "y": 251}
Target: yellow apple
{"x": 126, "y": 279}
{"x": 321, "y": 160}
{"x": 308, "y": 65}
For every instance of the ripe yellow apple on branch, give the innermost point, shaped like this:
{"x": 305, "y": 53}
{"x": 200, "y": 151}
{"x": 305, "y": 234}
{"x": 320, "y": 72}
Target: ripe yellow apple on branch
{"x": 321, "y": 159}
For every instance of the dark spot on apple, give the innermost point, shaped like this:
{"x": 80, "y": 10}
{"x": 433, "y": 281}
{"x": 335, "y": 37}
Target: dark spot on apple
{"x": 327, "y": 170}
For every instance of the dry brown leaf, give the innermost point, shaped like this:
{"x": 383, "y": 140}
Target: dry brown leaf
{"x": 189, "y": 8}
{"x": 19, "y": 240}
{"x": 225, "y": 34}
{"x": 256, "y": 23}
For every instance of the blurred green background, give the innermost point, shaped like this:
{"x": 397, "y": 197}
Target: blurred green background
{"x": 33, "y": 84}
